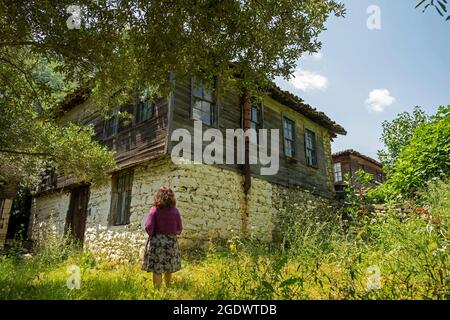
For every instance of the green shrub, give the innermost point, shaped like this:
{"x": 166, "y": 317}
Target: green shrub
{"x": 426, "y": 156}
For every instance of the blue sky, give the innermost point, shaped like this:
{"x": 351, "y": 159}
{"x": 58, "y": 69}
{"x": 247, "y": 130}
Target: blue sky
{"x": 362, "y": 77}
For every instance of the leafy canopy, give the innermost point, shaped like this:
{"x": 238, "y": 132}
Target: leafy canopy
{"x": 396, "y": 135}
{"x": 425, "y": 157}
{"x": 30, "y": 137}
{"x": 122, "y": 46}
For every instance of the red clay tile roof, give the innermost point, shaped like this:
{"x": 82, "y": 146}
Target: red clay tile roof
{"x": 292, "y": 101}
{"x": 286, "y": 98}
{"x": 357, "y": 154}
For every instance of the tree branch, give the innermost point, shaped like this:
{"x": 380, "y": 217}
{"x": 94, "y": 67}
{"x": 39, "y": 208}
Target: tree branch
{"x": 28, "y": 80}
{"x": 20, "y": 43}
{"x": 38, "y": 154}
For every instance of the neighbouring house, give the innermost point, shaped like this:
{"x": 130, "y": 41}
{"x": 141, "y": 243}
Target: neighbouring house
{"x": 211, "y": 198}
{"x": 349, "y": 161}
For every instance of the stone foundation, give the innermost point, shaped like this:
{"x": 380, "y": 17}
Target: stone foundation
{"x": 210, "y": 199}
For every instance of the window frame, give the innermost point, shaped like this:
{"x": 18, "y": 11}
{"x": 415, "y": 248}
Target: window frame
{"x": 257, "y": 103}
{"x": 119, "y": 194}
{"x": 112, "y": 114}
{"x": 285, "y": 119}
{"x": 214, "y": 110}
{"x": 314, "y": 161}
{"x": 337, "y": 174}
{"x": 379, "y": 176}
{"x": 138, "y": 105}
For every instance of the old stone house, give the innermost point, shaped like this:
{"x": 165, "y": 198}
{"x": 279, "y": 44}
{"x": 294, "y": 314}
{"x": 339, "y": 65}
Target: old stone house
{"x": 349, "y": 161}
{"x": 211, "y": 198}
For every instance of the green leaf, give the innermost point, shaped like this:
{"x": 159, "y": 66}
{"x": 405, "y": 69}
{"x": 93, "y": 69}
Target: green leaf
{"x": 288, "y": 282}
{"x": 267, "y": 285}
{"x": 420, "y": 3}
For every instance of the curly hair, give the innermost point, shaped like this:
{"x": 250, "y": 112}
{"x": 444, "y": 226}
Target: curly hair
{"x": 164, "y": 198}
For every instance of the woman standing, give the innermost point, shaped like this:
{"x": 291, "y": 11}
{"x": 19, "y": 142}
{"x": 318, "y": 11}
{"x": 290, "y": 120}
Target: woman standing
{"x": 163, "y": 224}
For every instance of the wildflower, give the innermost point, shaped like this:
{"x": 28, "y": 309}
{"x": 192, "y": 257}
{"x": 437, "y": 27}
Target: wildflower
{"x": 232, "y": 247}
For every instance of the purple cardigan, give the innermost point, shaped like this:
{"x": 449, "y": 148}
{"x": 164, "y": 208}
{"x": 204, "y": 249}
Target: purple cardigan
{"x": 163, "y": 221}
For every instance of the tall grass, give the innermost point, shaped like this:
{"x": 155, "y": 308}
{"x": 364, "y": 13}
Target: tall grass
{"x": 317, "y": 258}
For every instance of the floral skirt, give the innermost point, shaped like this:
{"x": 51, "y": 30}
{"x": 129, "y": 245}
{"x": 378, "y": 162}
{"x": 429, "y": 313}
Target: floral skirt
{"x": 162, "y": 254}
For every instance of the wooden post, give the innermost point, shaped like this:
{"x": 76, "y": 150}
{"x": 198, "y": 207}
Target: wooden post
{"x": 247, "y": 182}
{"x": 246, "y": 110}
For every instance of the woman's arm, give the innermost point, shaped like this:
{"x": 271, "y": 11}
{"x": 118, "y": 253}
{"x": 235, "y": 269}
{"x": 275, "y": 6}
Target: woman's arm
{"x": 150, "y": 222}
{"x": 179, "y": 223}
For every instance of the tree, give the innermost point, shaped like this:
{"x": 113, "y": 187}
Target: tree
{"x": 425, "y": 157}
{"x": 30, "y": 137}
{"x": 396, "y": 135}
{"x": 439, "y": 5}
{"x": 119, "y": 47}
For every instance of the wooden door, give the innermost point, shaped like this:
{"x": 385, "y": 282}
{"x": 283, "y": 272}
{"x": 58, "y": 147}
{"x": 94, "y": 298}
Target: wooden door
{"x": 77, "y": 214}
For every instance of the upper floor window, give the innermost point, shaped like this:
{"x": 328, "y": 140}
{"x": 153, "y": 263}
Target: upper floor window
{"x": 203, "y": 104}
{"x": 122, "y": 184}
{"x": 337, "y": 169}
{"x": 145, "y": 107}
{"x": 310, "y": 146}
{"x": 255, "y": 119}
{"x": 112, "y": 123}
{"x": 379, "y": 176}
{"x": 289, "y": 137}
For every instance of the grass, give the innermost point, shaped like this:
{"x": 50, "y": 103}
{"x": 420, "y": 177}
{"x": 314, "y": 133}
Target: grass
{"x": 380, "y": 257}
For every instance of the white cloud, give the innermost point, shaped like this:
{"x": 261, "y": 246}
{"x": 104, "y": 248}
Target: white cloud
{"x": 379, "y": 99}
{"x": 308, "y": 80}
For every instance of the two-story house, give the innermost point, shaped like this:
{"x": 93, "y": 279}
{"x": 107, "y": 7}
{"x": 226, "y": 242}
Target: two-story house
{"x": 349, "y": 161}
{"x": 210, "y": 196}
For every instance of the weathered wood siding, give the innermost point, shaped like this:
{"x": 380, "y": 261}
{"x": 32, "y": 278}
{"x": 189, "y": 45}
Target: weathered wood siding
{"x": 292, "y": 172}
{"x": 295, "y": 172}
{"x": 133, "y": 144}
{"x": 351, "y": 163}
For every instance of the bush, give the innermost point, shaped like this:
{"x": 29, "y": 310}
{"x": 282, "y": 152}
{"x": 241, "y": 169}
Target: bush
{"x": 426, "y": 156}
{"x": 52, "y": 248}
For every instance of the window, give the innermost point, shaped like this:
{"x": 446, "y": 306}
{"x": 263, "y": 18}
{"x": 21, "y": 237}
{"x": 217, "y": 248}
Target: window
{"x": 112, "y": 123}
{"x": 379, "y": 176}
{"x": 121, "y": 198}
{"x": 255, "y": 119}
{"x": 310, "y": 146}
{"x": 203, "y": 106}
{"x": 337, "y": 169}
{"x": 289, "y": 134}
{"x": 145, "y": 107}
{"x": 49, "y": 179}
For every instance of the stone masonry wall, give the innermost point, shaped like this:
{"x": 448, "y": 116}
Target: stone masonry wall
{"x": 49, "y": 212}
{"x": 209, "y": 198}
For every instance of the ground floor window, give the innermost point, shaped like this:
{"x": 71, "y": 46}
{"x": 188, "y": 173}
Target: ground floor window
{"x": 122, "y": 184}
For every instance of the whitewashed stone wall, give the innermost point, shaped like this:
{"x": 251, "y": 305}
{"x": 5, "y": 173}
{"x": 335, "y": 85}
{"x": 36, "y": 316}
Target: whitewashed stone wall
{"x": 210, "y": 199}
{"x": 49, "y": 209}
